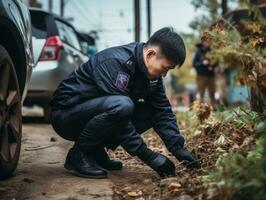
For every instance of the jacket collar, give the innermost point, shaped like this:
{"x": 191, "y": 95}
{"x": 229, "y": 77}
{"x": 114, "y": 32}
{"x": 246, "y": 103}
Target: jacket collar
{"x": 140, "y": 59}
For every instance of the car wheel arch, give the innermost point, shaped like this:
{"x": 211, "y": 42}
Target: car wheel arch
{"x": 11, "y": 40}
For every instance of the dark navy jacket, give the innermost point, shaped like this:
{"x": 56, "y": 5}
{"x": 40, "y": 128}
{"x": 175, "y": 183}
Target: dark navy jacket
{"x": 120, "y": 71}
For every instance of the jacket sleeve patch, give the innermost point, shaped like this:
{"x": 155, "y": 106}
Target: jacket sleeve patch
{"x": 122, "y": 80}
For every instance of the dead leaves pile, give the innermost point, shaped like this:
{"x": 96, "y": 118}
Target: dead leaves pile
{"x": 215, "y": 138}
{"x": 202, "y": 110}
{"x": 211, "y": 140}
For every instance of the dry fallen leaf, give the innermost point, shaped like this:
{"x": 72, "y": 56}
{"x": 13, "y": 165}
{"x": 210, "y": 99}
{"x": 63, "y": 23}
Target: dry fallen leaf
{"x": 173, "y": 186}
{"x": 220, "y": 140}
{"x": 235, "y": 146}
{"x": 254, "y": 27}
{"x": 135, "y": 193}
{"x": 247, "y": 141}
{"x": 197, "y": 133}
{"x": 203, "y": 110}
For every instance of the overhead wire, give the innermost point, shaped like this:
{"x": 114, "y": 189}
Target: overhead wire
{"x": 85, "y": 22}
{"x": 83, "y": 12}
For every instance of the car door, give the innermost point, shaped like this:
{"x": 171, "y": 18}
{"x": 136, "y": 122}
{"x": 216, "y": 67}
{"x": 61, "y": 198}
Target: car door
{"x": 71, "y": 42}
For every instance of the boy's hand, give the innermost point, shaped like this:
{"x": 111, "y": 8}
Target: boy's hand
{"x": 158, "y": 162}
{"x": 205, "y": 62}
{"x": 162, "y": 165}
{"x": 188, "y": 158}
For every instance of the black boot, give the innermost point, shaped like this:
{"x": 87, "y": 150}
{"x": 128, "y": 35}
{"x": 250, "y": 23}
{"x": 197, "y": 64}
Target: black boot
{"x": 102, "y": 158}
{"x": 83, "y": 165}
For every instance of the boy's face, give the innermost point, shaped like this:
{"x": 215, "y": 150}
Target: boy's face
{"x": 206, "y": 44}
{"x": 157, "y": 65}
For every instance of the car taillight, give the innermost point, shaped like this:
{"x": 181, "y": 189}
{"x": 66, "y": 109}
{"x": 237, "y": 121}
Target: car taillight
{"x": 52, "y": 49}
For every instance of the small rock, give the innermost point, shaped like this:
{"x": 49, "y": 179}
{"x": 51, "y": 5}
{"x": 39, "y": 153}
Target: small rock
{"x": 28, "y": 180}
{"x": 128, "y": 188}
{"x": 184, "y": 197}
{"x": 141, "y": 198}
{"x": 53, "y": 139}
{"x": 197, "y": 133}
{"x": 168, "y": 181}
{"x": 53, "y": 162}
{"x": 135, "y": 194}
{"x": 147, "y": 181}
{"x": 173, "y": 186}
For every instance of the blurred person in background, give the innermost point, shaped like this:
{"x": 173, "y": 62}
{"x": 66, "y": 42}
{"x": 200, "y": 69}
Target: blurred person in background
{"x": 222, "y": 83}
{"x": 205, "y": 72}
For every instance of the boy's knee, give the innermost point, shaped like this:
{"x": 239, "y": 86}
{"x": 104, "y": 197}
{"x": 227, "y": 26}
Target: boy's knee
{"x": 121, "y": 106}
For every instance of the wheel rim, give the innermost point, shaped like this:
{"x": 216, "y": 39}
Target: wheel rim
{"x": 10, "y": 109}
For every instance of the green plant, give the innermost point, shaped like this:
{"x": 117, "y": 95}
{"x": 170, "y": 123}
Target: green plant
{"x": 241, "y": 175}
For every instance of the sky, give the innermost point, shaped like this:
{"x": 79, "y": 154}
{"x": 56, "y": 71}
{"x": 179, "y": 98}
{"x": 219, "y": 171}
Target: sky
{"x": 114, "y": 20}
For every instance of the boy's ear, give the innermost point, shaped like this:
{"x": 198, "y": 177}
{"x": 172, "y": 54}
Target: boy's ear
{"x": 151, "y": 52}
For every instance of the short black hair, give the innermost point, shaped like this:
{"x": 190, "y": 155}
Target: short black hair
{"x": 171, "y": 44}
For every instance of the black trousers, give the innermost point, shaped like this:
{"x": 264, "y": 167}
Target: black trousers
{"x": 104, "y": 122}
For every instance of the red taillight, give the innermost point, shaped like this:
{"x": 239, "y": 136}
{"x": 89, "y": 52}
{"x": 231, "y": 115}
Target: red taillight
{"x": 51, "y": 49}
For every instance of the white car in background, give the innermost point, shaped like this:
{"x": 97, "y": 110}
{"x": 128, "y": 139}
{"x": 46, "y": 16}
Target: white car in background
{"x": 58, "y": 52}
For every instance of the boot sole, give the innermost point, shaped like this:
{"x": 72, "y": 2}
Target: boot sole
{"x": 113, "y": 169}
{"x": 72, "y": 171}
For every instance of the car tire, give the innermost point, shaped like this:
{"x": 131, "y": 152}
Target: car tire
{"x": 10, "y": 116}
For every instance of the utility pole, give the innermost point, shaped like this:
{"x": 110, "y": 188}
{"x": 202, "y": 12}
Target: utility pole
{"x": 137, "y": 20}
{"x": 149, "y": 17}
{"x": 50, "y": 5}
{"x": 224, "y": 7}
{"x": 62, "y": 7}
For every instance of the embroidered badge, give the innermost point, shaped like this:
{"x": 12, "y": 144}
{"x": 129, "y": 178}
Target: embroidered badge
{"x": 122, "y": 80}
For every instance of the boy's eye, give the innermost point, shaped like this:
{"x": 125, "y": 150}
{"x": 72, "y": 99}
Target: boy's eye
{"x": 167, "y": 68}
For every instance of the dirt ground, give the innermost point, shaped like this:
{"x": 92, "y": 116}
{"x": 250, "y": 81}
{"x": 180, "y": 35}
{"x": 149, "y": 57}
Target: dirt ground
{"x": 40, "y": 173}
{"x": 138, "y": 181}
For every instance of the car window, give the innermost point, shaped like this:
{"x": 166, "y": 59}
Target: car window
{"x": 74, "y": 38}
{"x": 68, "y": 35}
{"x": 63, "y": 32}
{"x": 39, "y": 28}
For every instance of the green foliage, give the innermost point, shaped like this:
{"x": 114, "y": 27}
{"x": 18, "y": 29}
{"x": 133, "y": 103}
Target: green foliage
{"x": 240, "y": 117}
{"x": 238, "y": 176}
{"x": 260, "y": 127}
{"x": 188, "y": 123}
{"x": 212, "y": 9}
{"x": 230, "y": 49}
{"x": 244, "y": 49}
{"x": 241, "y": 175}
